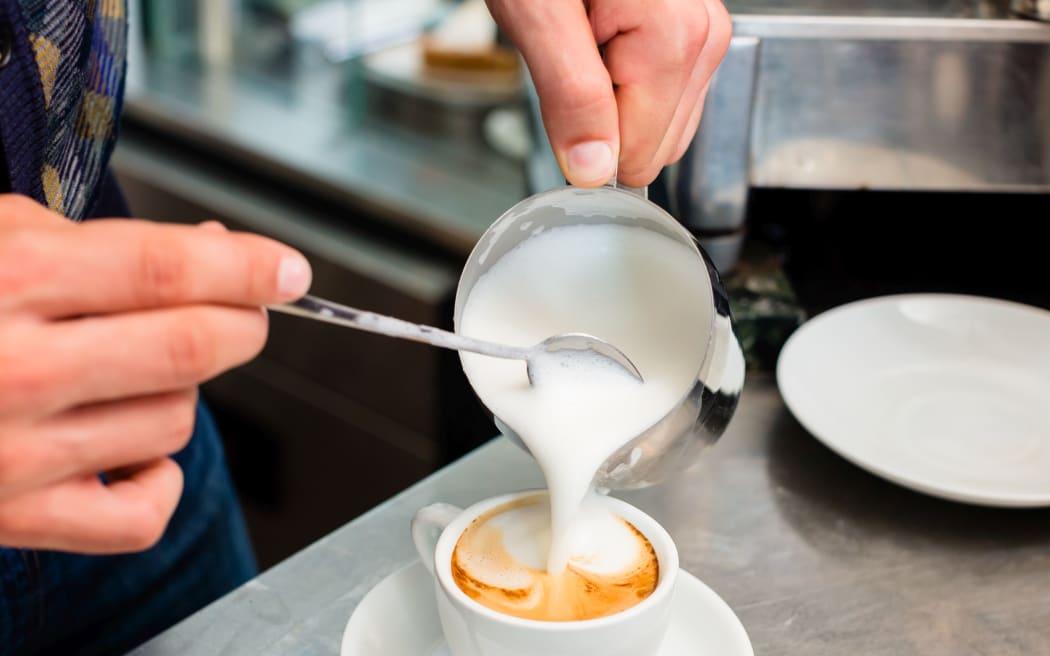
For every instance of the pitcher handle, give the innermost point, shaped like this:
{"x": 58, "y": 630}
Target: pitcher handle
{"x": 427, "y": 526}
{"x": 613, "y": 183}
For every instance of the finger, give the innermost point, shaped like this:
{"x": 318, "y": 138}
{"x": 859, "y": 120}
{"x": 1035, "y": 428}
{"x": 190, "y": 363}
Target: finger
{"x": 687, "y": 106}
{"x": 576, "y": 94}
{"x": 96, "y": 359}
{"x": 16, "y": 209}
{"x": 86, "y": 516}
{"x": 95, "y": 438}
{"x": 651, "y": 62}
{"x": 116, "y": 265}
{"x": 720, "y": 35}
{"x": 20, "y": 218}
{"x": 685, "y": 139}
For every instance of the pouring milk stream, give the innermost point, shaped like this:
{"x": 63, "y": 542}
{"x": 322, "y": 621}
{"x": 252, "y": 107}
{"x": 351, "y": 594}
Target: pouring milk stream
{"x": 627, "y": 285}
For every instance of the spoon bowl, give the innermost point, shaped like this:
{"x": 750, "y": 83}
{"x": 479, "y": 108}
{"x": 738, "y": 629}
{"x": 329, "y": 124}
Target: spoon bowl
{"x": 582, "y": 342}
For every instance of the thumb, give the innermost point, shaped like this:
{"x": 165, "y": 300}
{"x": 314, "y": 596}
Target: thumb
{"x": 575, "y": 91}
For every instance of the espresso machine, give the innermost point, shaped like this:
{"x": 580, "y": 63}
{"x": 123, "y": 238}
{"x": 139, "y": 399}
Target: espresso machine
{"x": 943, "y": 96}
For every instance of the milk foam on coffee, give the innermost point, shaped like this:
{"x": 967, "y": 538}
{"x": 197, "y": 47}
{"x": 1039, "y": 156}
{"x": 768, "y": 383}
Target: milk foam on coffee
{"x": 632, "y": 287}
{"x": 500, "y": 561}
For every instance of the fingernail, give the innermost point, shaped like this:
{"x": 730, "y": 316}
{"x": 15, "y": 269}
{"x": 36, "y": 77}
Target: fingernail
{"x": 293, "y": 276}
{"x": 590, "y": 162}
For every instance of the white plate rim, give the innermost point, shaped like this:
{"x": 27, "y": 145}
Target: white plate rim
{"x": 731, "y": 620}
{"x": 736, "y": 633}
{"x": 1006, "y": 500}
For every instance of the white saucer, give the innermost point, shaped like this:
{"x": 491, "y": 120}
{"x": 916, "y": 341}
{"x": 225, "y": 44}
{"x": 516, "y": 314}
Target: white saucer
{"x": 947, "y": 395}
{"x": 398, "y": 617}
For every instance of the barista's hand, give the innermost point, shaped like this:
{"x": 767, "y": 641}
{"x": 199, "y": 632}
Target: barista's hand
{"x": 106, "y": 329}
{"x": 659, "y": 54}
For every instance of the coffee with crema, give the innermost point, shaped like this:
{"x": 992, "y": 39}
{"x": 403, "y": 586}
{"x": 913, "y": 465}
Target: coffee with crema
{"x": 500, "y": 561}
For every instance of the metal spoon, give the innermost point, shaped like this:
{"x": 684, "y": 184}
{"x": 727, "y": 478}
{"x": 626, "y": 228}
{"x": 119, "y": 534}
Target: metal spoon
{"x": 327, "y": 311}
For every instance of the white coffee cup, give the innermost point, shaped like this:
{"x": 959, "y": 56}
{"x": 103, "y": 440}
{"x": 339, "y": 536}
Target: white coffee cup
{"x": 475, "y": 630}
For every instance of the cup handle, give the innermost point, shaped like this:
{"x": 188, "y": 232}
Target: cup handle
{"x": 427, "y": 526}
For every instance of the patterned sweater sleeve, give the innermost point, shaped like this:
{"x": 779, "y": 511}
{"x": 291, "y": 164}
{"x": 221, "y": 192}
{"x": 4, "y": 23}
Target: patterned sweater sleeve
{"x": 60, "y": 97}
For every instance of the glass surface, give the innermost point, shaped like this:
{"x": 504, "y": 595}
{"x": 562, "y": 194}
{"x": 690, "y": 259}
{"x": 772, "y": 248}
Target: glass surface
{"x": 307, "y": 51}
{"x": 273, "y": 30}
{"x": 900, "y": 8}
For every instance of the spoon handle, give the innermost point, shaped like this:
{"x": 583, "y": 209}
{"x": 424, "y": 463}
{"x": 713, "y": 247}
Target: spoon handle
{"x": 320, "y": 309}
